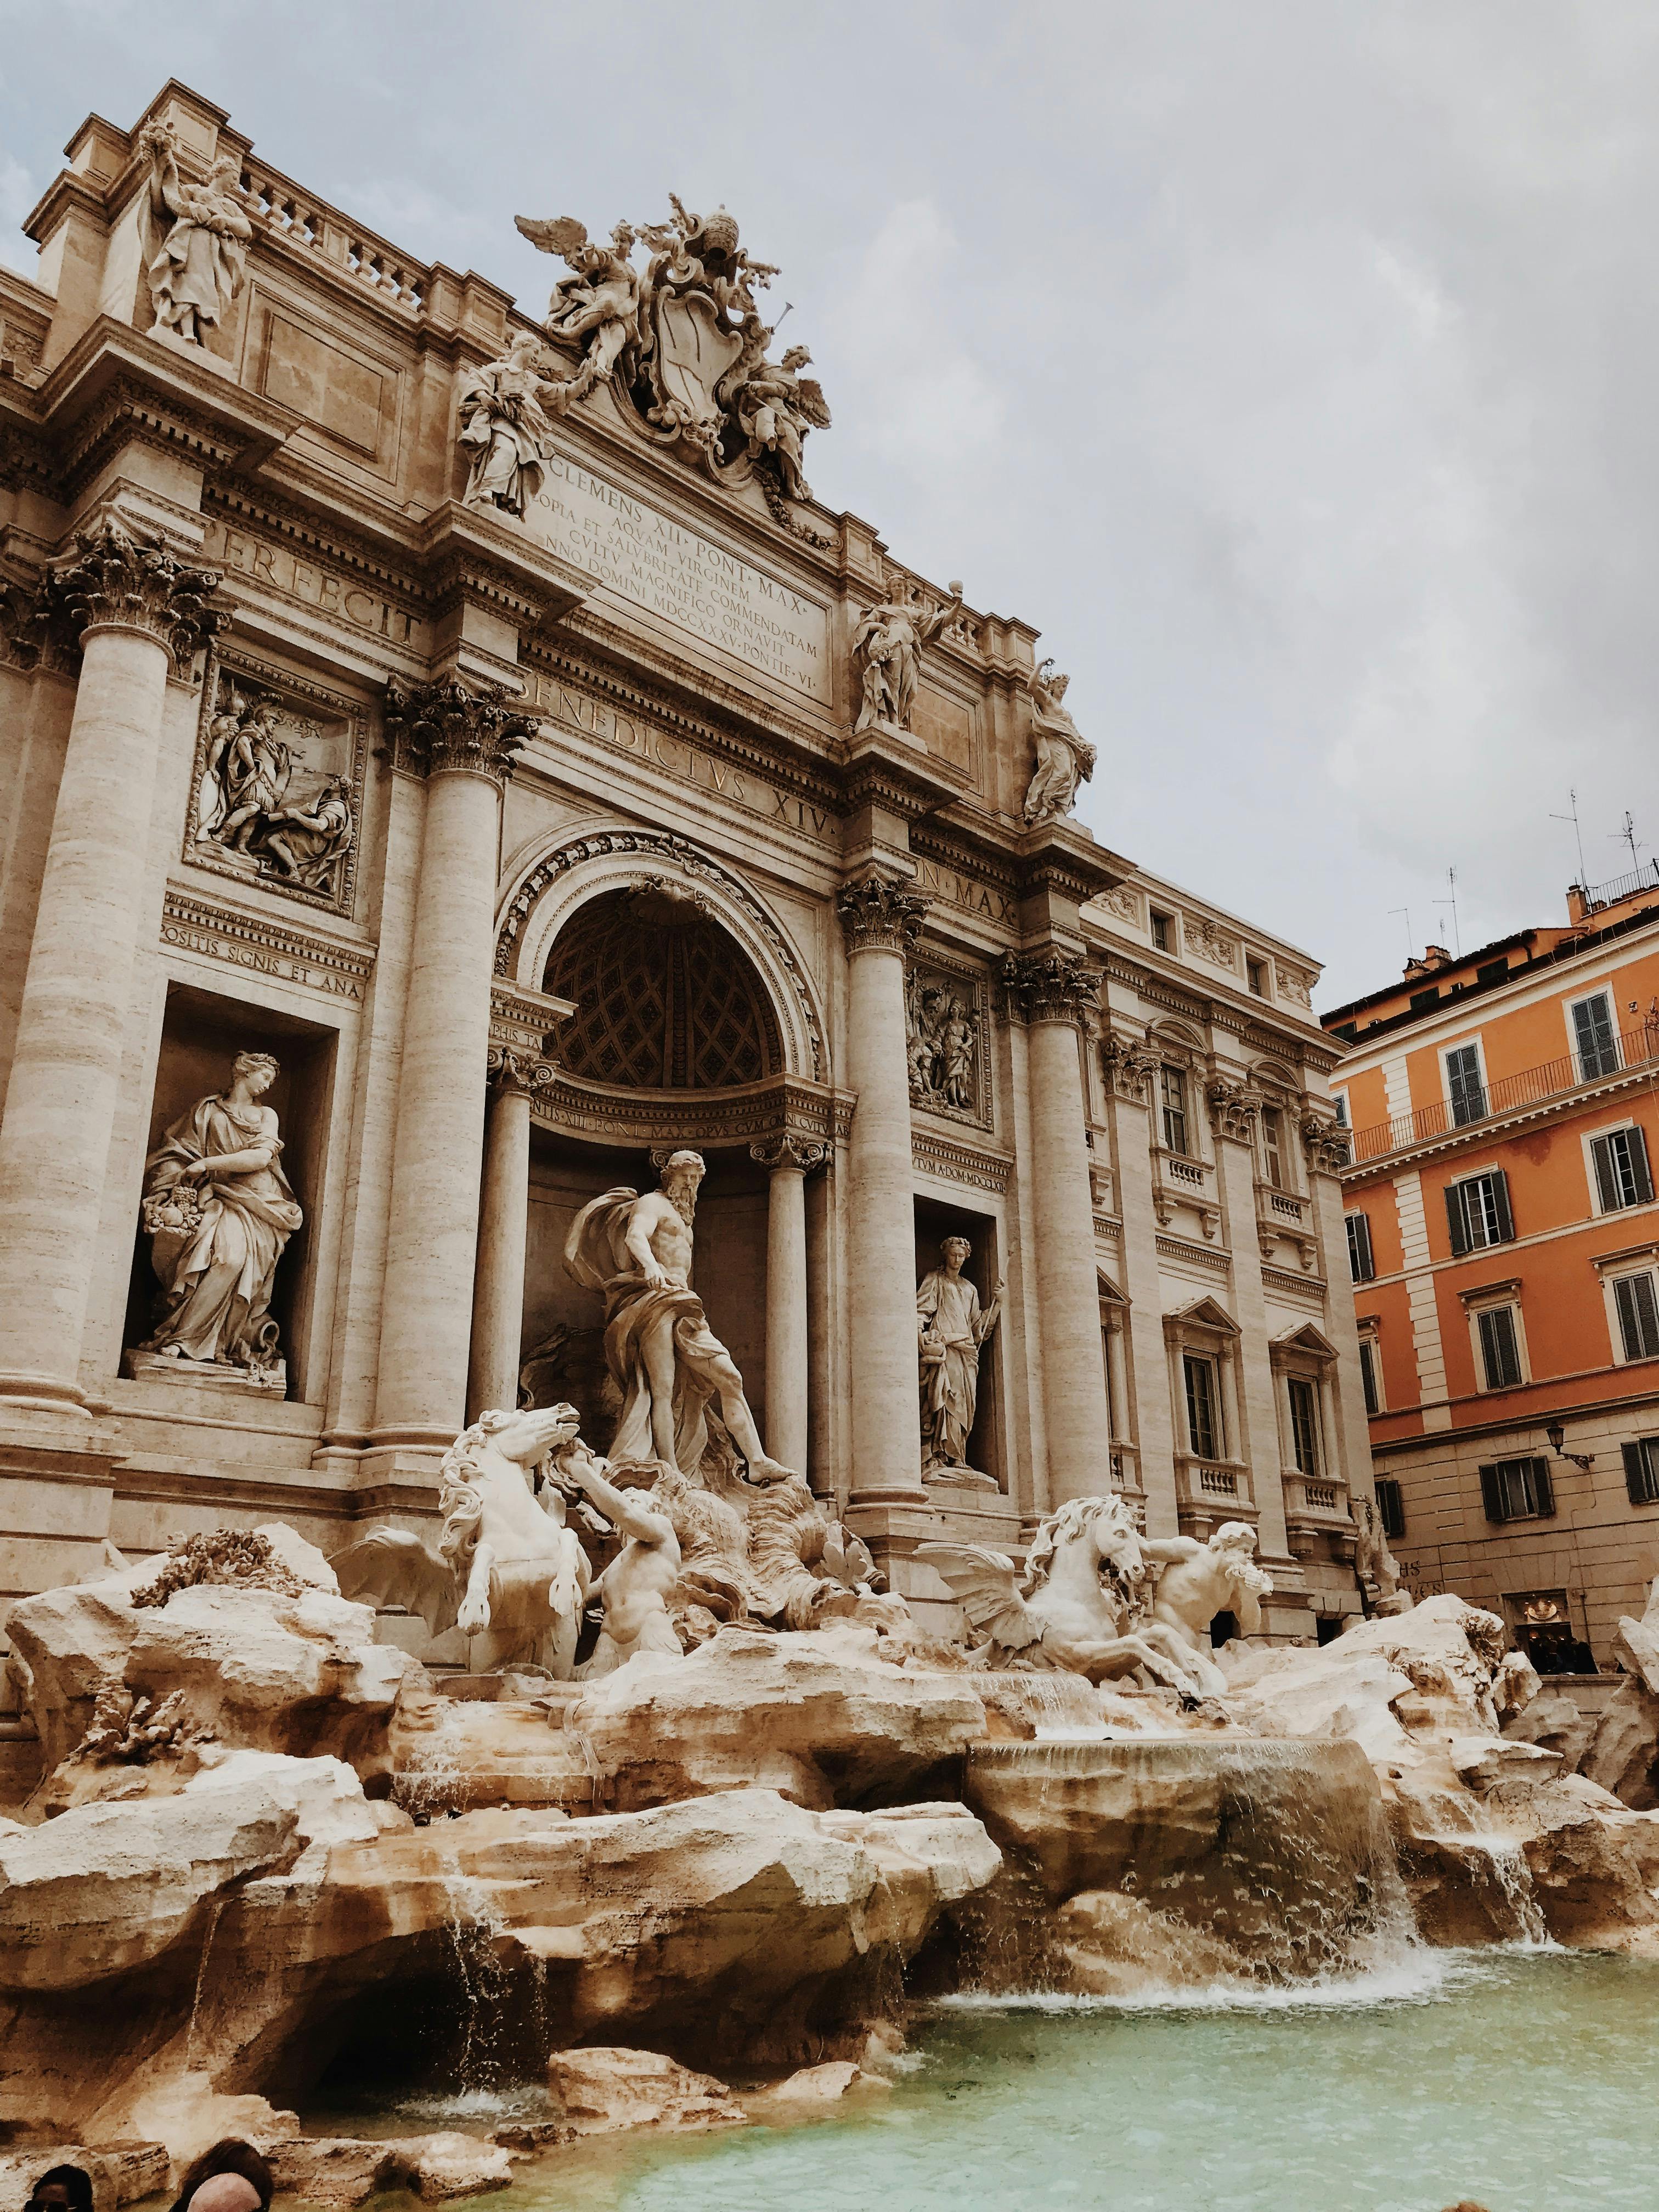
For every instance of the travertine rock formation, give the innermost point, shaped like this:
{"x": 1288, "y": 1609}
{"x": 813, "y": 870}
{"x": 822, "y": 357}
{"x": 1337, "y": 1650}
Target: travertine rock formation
{"x": 822, "y": 1718}
{"x": 601, "y": 2088}
{"x": 252, "y": 1665}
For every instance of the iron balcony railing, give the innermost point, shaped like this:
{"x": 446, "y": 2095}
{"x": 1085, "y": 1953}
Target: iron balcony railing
{"x": 1637, "y": 1049}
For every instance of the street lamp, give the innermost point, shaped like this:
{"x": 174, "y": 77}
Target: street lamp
{"x": 1557, "y": 1434}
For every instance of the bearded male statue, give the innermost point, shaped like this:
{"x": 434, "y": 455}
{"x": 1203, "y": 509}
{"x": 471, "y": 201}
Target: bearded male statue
{"x": 664, "y": 1357}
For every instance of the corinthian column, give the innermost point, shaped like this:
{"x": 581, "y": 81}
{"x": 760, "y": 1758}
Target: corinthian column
{"x": 787, "y": 1161}
{"x": 137, "y": 609}
{"x": 503, "y": 1229}
{"x": 1053, "y": 995}
{"x": 882, "y": 921}
{"x": 461, "y": 738}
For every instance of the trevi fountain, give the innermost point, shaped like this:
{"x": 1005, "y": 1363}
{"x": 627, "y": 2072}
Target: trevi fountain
{"x": 808, "y": 1674}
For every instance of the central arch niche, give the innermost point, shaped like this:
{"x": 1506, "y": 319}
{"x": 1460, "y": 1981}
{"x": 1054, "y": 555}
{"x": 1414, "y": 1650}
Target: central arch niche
{"x": 666, "y": 998}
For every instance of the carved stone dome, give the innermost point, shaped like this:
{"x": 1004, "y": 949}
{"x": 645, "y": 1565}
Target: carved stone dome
{"x": 666, "y": 998}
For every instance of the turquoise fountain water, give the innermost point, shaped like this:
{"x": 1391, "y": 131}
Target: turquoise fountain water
{"x": 1527, "y": 2079}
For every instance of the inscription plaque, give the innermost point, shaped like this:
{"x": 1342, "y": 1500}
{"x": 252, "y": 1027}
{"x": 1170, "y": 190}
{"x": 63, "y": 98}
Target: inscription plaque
{"x": 682, "y": 578}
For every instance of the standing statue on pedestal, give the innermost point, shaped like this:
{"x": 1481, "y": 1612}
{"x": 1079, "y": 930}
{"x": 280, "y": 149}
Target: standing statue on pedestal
{"x": 218, "y": 1211}
{"x": 952, "y": 1330}
{"x": 204, "y": 232}
{"x": 664, "y": 1359}
{"x": 887, "y": 660}
{"x": 1064, "y": 759}
{"x": 504, "y": 427}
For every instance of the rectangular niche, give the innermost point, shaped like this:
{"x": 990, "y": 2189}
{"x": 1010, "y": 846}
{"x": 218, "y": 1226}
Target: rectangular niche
{"x": 934, "y": 1223}
{"x": 277, "y": 785}
{"x": 201, "y": 1035}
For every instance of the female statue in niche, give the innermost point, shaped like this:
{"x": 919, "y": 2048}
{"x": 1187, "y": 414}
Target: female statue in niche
{"x": 219, "y": 1211}
{"x": 951, "y": 1330}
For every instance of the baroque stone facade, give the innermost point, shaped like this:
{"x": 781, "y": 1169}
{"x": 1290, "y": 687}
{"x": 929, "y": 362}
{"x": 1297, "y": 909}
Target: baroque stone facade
{"x": 476, "y": 722}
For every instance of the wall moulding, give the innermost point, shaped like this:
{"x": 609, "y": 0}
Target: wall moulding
{"x": 706, "y": 1120}
{"x": 580, "y": 868}
{"x": 1310, "y": 1287}
{"x": 277, "y": 784}
{"x": 263, "y": 946}
{"x": 298, "y": 569}
{"x": 965, "y": 1163}
{"x": 1194, "y": 1256}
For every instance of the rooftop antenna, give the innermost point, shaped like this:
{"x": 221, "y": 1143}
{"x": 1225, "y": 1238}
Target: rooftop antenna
{"x": 1411, "y": 942}
{"x": 1572, "y": 801}
{"x": 1450, "y": 900}
{"x": 1626, "y": 836}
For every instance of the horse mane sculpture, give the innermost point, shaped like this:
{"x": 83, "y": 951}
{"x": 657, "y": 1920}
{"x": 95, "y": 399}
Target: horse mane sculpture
{"x": 1077, "y": 1608}
{"x": 507, "y": 1572}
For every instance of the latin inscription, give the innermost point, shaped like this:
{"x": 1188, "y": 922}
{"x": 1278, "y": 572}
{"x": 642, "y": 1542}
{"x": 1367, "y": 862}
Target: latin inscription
{"x": 682, "y": 577}
{"x": 594, "y": 719}
{"x": 331, "y": 594}
{"x": 263, "y": 960}
{"x": 937, "y": 881}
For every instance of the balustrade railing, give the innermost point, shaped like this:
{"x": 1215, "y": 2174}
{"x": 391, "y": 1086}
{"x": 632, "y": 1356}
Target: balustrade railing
{"x": 1637, "y": 1049}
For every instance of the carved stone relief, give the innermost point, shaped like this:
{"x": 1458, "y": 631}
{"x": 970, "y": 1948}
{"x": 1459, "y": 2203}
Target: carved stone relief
{"x": 276, "y": 794}
{"x": 1124, "y": 902}
{"x": 1205, "y": 942}
{"x": 946, "y": 1026}
{"x": 1294, "y": 985}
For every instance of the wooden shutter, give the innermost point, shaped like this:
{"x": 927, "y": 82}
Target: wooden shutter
{"x": 1491, "y": 1493}
{"x": 1457, "y": 1219}
{"x": 1543, "y": 1494}
{"x": 1636, "y": 1474}
{"x": 1640, "y": 1170}
{"x": 1607, "y": 1176}
{"x": 1500, "y": 1188}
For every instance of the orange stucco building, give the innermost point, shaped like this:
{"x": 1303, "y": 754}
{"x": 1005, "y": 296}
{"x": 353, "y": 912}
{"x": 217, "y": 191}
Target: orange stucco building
{"x": 1504, "y": 1242}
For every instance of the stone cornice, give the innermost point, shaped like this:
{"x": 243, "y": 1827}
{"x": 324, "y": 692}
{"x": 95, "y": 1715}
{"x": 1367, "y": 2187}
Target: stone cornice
{"x": 965, "y": 1163}
{"x": 878, "y": 915}
{"x": 1499, "y": 1127}
{"x": 186, "y": 910}
{"x": 449, "y": 727}
{"x": 471, "y": 558}
{"x": 875, "y": 769}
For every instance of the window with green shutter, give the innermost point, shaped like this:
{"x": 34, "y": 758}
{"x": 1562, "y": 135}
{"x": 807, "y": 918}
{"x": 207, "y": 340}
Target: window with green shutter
{"x": 1465, "y": 1090}
{"x": 1596, "y": 1037}
{"x": 1638, "y": 1316}
{"x": 1478, "y": 1211}
{"x": 1500, "y": 1347}
{"x": 1517, "y": 1490}
{"x": 1391, "y": 1506}
{"x": 1361, "y": 1262}
{"x": 1623, "y": 1177}
{"x": 1641, "y": 1458}
{"x": 1368, "y": 1375}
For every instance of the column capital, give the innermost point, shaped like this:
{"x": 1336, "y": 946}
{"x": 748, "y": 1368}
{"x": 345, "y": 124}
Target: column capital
{"x": 1326, "y": 1143}
{"x": 878, "y": 915}
{"x": 118, "y": 580}
{"x": 1051, "y": 985}
{"x": 1233, "y": 1109}
{"x": 512, "y": 1070}
{"x": 789, "y": 1150}
{"x": 448, "y": 726}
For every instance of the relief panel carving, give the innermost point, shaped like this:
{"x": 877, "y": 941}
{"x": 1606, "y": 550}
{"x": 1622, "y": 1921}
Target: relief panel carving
{"x": 947, "y": 1018}
{"x": 275, "y": 791}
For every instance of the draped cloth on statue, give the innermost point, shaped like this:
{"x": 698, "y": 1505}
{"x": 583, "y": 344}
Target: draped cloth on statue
{"x": 218, "y": 1275}
{"x": 596, "y": 1254}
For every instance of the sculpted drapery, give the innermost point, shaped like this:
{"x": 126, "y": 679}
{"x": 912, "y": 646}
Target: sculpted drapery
{"x": 952, "y": 1328}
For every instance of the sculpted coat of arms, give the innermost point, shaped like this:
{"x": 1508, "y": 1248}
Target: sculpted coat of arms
{"x": 682, "y": 343}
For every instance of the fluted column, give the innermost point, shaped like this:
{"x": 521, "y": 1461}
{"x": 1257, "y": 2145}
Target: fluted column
{"x": 882, "y": 921}
{"x": 136, "y": 609}
{"x": 1053, "y": 995}
{"x": 787, "y": 1161}
{"x": 503, "y": 1230}
{"x": 461, "y": 738}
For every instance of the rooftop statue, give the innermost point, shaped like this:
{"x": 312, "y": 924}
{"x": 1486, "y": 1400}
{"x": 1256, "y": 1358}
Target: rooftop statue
{"x": 1078, "y": 1609}
{"x": 1198, "y": 1581}
{"x": 663, "y": 1359}
{"x": 682, "y": 343}
{"x": 887, "y": 658}
{"x": 504, "y": 426}
{"x": 507, "y": 1571}
{"x": 1064, "y": 759}
{"x": 200, "y": 234}
{"x": 218, "y": 1211}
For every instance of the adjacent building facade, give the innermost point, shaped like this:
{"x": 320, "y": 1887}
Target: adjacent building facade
{"x": 1504, "y": 1244}
{"x": 453, "y": 763}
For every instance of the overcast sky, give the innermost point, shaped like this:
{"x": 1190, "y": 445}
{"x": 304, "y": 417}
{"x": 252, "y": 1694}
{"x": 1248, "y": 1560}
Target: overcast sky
{"x": 1293, "y": 365}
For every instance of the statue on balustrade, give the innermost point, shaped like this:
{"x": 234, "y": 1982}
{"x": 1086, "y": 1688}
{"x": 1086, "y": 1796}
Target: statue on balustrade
{"x": 505, "y": 425}
{"x": 1064, "y": 759}
{"x": 887, "y": 658}
{"x": 1198, "y": 1581}
{"x": 952, "y": 1328}
{"x": 666, "y": 1361}
{"x": 218, "y": 1211}
{"x": 199, "y": 237}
